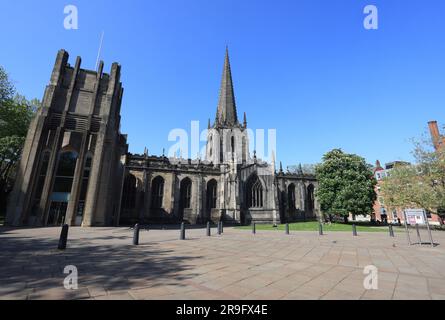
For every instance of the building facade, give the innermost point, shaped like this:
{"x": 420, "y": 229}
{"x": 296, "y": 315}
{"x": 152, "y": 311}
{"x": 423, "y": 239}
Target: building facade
{"x": 386, "y": 215}
{"x": 76, "y": 168}
{"x": 73, "y": 162}
{"x": 382, "y": 213}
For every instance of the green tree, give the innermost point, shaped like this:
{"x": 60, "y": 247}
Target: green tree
{"x": 7, "y": 89}
{"x": 346, "y": 184}
{"x": 15, "y": 116}
{"x": 421, "y": 185}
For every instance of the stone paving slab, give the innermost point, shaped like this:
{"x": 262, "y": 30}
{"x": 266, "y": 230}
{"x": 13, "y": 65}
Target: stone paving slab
{"x": 237, "y": 265}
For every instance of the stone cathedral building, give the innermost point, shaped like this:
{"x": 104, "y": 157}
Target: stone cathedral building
{"x": 76, "y": 168}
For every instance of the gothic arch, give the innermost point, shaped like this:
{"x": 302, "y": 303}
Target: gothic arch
{"x": 129, "y": 193}
{"x": 157, "y": 192}
{"x": 185, "y": 193}
{"x": 255, "y": 192}
{"x": 212, "y": 194}
{"x": 310, "y": 199}
{"x": 291, "y": 198}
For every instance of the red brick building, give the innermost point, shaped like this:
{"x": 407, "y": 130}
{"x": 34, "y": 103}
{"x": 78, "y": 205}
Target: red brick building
{"x": 381, "y": 212}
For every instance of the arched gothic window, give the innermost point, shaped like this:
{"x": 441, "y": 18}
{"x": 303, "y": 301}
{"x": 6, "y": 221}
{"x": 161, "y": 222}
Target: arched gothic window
{"x": 310, "y": 199}
{"x": 157, "y": 192}
{"x": 186, "y": 193}
{"x": 291, "y": 196}
{"x": 212, "y": 194}
{"x": 254, "y": 193}
{"x": 129, "y": 194}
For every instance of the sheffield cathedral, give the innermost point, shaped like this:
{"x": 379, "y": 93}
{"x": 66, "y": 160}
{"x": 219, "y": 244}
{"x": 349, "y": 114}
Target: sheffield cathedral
{"x": 76, "y": 169}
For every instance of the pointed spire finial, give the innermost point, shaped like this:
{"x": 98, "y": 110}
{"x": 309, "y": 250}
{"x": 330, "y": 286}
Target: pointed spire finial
{"x": 208, "y": 126}
{"x": 226, "y": 113}
{"x": 245, "y": 120}
{"x": 281, "y": 167}
{"x": 300, "y": 169}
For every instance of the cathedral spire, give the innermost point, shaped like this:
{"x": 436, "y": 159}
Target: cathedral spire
{"x": 226, "y": 114}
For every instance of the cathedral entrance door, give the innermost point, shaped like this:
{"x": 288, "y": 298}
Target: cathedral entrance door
{"x": 57, "y": 213}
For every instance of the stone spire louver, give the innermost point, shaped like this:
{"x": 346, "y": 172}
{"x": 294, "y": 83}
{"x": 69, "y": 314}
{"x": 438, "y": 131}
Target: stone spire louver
{"x": 226, "y": 114}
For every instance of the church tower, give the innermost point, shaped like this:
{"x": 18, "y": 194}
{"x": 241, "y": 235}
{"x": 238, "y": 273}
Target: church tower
{"x": 227, "y": 140}
{"x": 72, "y": 166}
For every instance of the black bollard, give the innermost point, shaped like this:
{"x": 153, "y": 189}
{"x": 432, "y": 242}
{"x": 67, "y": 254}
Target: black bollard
{"x": 254, "y": 228}
{"x": 63, "y": 237}
{"x": 354, "y": 230}
{"x": 219, "y": 227}
{"x": 320, "y": 229}
{"x": 136, "y": 234}
{"x": 391, "y": 231}
{"x": 182, "y": 234}
{"x": 208, "y": 230}
{"x": 418, "y": 234}
{"x": 222, "y": 227}
{"x": 287, "y": 228}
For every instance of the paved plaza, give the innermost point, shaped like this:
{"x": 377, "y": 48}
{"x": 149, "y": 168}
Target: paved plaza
{"x": 236, "y": 265}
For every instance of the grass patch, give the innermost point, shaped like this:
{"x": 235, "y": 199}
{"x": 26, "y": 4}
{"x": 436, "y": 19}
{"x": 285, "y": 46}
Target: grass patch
{"x": 313, "y": 226}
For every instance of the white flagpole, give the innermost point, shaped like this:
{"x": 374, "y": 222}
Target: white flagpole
{"x": 100, "y": 48}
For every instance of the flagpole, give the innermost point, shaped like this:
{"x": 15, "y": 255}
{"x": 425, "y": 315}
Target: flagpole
{"x": 100, "y": 49}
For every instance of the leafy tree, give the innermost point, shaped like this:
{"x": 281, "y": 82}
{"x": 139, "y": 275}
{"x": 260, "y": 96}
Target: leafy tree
{"x": 421, "y": 185}
{"x": 346, "y": 184}
{"x": 7, "y": 89}
{"x": 15, "y": 116}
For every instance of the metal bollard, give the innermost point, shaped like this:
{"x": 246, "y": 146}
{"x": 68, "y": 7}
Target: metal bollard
{"x": 354, "y": 230}
{"x": 182, "y": 234}
{"x": 219, "y": 228}
{"x": 418, "y": 234}
{"x": 320, "y": 229}
{"x": 136, "y": 234}
{"x": 208, "y": 229}
{"x": 63, "y": 237}
{"x": 254, "y": 228}
{"x": 222, "y": 227}
{"x": 287, "y": 228}
{"x": 391, "y": 231}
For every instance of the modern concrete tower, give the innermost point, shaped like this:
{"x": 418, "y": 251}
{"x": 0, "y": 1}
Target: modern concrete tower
{"x": 72, "y": 165}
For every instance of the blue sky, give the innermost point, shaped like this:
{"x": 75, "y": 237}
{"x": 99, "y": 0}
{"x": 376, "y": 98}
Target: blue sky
{"x": 307, "y": 68}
